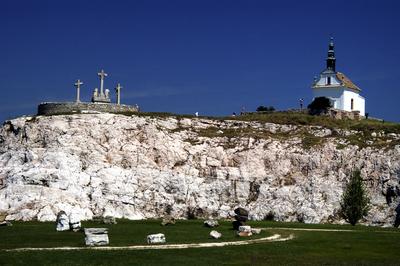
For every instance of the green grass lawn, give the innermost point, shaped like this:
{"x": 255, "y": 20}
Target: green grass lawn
{"x": 363, "y": 246}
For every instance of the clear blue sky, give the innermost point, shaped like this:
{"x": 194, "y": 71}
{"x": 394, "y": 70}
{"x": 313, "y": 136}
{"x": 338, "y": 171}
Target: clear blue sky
{"x": 211, "y": 57}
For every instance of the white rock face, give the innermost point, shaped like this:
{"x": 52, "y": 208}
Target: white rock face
{"x": 142, "y": 167}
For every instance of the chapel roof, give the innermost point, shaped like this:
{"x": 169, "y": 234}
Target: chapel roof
{"x": 346, "y": 81}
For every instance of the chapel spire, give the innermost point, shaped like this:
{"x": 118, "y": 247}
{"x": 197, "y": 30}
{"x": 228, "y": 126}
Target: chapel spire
{"x": 331, "y": 60}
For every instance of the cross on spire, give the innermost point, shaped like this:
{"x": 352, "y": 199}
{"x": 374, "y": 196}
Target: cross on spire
{"x": 78, "y": 84}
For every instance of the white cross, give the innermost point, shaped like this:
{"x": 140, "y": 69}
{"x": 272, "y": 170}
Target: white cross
{"x": 118, "y": 90}
{"x": 78, "y": 84}
{"x": 102, "y": 75}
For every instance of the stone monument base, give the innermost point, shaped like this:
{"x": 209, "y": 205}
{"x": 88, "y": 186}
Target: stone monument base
{"x": 77, "y": 108}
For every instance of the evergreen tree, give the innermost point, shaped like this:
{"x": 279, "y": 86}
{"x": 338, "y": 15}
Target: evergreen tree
{"x": 319, "y": 105}
{"x": 354, "y": 204}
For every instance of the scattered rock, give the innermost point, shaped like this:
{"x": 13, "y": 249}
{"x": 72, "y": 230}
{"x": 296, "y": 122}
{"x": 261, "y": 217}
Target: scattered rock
{"x": 109, "y": 220}
{"x": 245, "y": 228}
{"x": 168, "y": 220}
{"x": 96, "y": 236}
{"x": 215, "y": 234}
{"x": 156, "y": 239}
{"x": 256, "y": 231}
{"x": 244, "y": 233}
{"x": 373, "y": 134}
{"x": 211, "y": 223}
{"x": 74, "y": 222}
{"x": 62, "y": 222}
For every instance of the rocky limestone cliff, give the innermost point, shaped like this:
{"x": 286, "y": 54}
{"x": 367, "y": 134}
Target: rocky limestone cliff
{"x": 140, "y": 167}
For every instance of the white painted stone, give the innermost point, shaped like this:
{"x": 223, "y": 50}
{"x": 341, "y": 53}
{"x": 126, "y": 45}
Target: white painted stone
{"x": 156, "y": 239}
{"x": 215, "y": 234}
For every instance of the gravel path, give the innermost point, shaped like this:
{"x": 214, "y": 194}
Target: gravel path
{"x": 273, "y": 238}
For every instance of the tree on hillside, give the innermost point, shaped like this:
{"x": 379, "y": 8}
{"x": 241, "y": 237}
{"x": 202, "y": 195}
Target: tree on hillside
{"x": 355, "y": 201}
{"x": 319, "y": 105}
{"x": 263, "y": 108}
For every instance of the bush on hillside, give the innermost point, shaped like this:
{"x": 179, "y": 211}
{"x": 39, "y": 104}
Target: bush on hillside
{"x": 319, "y": 105}
{"x": 263, "y": 108}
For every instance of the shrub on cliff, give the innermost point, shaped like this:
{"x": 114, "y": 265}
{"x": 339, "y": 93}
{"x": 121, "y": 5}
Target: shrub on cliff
{"x": 319, "y": 105}
{"x": 355, "y": 201}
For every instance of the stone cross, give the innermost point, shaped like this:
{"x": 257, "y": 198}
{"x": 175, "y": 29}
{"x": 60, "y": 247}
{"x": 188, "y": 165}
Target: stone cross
{"x": 102, "y": 75}
{"x": 78, "y": 88}
{"x": 118, "y": 90}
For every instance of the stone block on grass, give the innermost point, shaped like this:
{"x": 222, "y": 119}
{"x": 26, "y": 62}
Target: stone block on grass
{"x": 156, "y": 239}
{"x": 215, "y": 234}
{"x": 96, "y": 236}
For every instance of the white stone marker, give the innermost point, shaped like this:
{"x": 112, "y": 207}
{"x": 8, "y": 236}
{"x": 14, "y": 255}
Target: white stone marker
{"x": 215, "y": 234}
{"x": 96, "y": 236}
{"x": 156, "y": 239}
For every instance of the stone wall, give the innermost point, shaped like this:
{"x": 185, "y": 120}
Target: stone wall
{"x": 73, "y": 107}
{"x": 341, "y": 114}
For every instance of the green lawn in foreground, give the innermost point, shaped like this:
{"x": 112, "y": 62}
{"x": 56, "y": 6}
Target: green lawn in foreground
{"x": 364, "y": 246}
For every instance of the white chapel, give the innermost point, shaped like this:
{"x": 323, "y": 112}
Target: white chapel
{"x": 343, "y": 93}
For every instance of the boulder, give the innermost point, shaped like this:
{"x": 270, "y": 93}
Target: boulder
{"x": 96, "y": 236}
{"x": 244, "y": 233}
{"x": 215, "y": 234}
{"x": 74, "y": 222}
{"x": 168, "y": 220}
{"x": 241, "y": 212}
{"x": 62, "y": 222}
{"x": 156, "y": 238}
{"x": 211, "y": 223}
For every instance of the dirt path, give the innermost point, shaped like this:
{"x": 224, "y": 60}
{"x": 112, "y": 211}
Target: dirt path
{"x": 273, "y": 238}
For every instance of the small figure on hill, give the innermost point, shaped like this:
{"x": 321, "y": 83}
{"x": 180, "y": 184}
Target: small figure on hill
{"x": 301, "y": 103}
{"x": 196, "y": 114}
